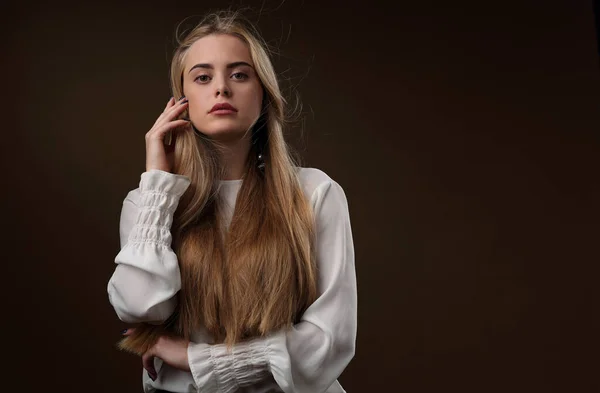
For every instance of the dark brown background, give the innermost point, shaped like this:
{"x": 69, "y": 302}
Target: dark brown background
{"x": 465, "y": 135}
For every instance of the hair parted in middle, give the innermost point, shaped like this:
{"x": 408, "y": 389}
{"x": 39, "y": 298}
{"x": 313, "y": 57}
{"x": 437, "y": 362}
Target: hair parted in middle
{"x": 260, "y": 275}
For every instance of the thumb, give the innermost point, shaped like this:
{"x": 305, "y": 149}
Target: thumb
{"x": 148, "y": 363}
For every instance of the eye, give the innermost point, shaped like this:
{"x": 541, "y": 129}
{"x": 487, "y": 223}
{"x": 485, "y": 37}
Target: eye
{"x": 202, "y": 78}
{"x": 241, "y": 76}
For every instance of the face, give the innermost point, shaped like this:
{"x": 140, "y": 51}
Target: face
{"x": 218, "y": 69}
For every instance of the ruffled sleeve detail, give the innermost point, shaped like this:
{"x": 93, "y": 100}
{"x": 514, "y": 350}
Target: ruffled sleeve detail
{"x": 146, "y": 279}
{"x": 214, "y": 369}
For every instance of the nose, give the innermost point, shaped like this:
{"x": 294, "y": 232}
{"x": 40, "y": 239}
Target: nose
{"x": 223, "y": 89}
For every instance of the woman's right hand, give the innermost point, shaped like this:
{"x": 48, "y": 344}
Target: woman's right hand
{"x": 158, "y": 155}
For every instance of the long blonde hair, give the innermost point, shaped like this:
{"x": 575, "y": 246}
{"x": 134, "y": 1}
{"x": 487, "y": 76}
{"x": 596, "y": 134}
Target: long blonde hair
{"x": 260, "y": 275}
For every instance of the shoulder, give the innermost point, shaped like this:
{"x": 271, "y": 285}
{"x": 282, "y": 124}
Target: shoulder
{"x": 323, "y": 192}
{"x": 312, "y": 178}
{"x": 313, "y": 181}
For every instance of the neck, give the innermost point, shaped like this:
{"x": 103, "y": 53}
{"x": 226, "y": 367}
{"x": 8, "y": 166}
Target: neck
{"x": 234, "y": 157}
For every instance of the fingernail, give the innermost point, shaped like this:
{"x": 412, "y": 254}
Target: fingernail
{"x": 123, "y": 331}
{"x": 184, "y": 101}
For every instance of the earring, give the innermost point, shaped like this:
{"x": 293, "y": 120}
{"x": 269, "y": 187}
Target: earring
{"x": 261, "y": 163}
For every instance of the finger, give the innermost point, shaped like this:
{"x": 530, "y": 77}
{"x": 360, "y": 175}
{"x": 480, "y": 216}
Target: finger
{"x": 175, "y": 125}
{"x": 169, "y": 137}
{"x": 158, "y": 131}
{"x": 127, "y": 332}
{"x": 171, "y": 113}
{"x": 173, "y": 102}
{"x": 148, "y": 363}
{"x": 169, "y": 103}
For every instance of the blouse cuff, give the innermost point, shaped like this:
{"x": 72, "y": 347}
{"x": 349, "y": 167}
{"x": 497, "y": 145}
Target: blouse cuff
{"x": 156, "y": 180}
{"x": 160, "y": 192}
{"x": 214, "y": 369}
{"x": 279, "y": 360}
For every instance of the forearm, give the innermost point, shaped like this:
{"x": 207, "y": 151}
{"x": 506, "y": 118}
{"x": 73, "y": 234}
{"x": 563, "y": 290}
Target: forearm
{"x": 144, "y": 284}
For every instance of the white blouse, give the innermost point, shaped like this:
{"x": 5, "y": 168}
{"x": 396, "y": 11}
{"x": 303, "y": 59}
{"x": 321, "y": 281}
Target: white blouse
{"x": 308, "y": 358}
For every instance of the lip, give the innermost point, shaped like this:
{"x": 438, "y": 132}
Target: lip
{"x": 223, "y": 108}
{"x": 222, "y": 112}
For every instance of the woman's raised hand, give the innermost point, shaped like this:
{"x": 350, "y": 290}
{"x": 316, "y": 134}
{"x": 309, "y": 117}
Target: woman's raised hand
{"x": 158, "y": 154}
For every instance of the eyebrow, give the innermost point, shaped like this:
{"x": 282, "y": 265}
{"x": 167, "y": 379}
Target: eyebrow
{"x": 228, "y": 66}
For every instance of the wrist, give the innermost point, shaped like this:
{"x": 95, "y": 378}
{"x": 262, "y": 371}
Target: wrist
{"x": 186, "y": 359}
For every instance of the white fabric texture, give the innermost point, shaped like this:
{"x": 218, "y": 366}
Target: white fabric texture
{"x": 309, "y": 357}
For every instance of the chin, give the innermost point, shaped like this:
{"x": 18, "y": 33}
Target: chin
{"x": 223, "y": 131}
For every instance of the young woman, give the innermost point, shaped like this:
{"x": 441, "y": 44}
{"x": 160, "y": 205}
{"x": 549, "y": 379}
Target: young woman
{"x": 236, "y": 266}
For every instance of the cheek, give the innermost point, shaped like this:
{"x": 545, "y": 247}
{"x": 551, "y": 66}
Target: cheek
{"x": 255, "y": 100}
{"x": 198, "y": 104}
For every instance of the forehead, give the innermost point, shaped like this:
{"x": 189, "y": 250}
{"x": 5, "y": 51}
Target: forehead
{"x": 217, "y": 49}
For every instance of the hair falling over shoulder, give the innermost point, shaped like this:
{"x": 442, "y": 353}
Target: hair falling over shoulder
{"x": 260, "y": 275}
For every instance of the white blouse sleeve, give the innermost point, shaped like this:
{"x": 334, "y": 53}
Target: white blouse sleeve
{"x": 146, "y": 279}
{"x": 313, "y": 353}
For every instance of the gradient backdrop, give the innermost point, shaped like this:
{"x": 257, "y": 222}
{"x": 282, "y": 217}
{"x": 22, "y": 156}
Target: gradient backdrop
{"x": 464, "y": 133}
